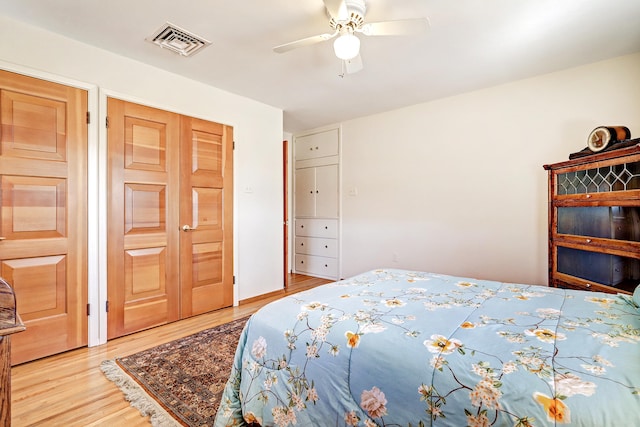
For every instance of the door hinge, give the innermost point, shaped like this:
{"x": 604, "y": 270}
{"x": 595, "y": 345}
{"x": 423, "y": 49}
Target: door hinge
{"x": 88, "y": 309}
{"x": 107, "y": 306}
{"x": 106, "y": 122}
{"x": 88, "y": 117}
{"x": 234, "y": 145}
{"x": 234, "y": 280}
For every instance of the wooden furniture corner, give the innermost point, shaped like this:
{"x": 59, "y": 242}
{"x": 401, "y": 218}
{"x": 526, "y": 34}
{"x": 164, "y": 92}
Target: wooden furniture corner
{"x": 10, "y": 323}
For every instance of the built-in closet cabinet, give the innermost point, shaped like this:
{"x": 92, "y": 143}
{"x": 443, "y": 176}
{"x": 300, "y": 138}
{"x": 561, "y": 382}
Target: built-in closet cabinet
{"x": 317, "y": 194}
{"x": 316, "y": 203}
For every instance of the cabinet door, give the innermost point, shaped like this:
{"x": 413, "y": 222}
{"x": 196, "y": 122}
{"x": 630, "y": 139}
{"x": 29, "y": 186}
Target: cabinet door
{"x": 305, "y": 192}
{"x": 317, "y": 145}
{"x": 327, "y": 191}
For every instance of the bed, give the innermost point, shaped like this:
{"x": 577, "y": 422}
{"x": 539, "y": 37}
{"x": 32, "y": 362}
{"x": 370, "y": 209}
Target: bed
{"x": 405, "y": 348}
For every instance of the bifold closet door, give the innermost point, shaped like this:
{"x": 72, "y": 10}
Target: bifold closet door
{"x": 170, "y": 228}
{"x": 206, "y": 215}
{"x": 143, "y": 208}
{"x": 43, "y": 221}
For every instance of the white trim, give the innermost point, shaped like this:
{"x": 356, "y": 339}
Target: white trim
{"x": 102, "y": 200}
{"x": 94, "y": 243}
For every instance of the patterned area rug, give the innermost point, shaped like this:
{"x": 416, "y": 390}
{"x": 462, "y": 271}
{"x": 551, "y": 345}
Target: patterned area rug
{"x": 180, "y": 382}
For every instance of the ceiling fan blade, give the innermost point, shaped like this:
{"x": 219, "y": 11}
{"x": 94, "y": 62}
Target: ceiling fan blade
{"x": 405, "y": 27}
{"x": 303, "y": 42}
{"x": 337, "y": 9}
{"x": 353, "y": 65}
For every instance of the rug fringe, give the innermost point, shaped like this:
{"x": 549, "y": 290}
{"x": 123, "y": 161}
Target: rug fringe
{"x": 137, "y": 397}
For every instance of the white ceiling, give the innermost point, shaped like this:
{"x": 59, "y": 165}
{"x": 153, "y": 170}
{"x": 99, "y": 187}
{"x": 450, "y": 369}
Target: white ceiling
{"x": 471, "y": 44}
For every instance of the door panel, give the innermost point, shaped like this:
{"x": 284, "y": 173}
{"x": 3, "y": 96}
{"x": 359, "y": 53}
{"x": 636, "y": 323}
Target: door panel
{"x": 305, "y": 192}
{"x": 143, "y": 288}
{"x": 37, "y": 126}
{"x": 206, "y": 263}
{"x": 43, "y": 151}
{"x": 327, "y": 191}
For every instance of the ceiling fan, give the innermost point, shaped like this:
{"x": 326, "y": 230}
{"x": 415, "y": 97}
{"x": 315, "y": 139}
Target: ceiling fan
{"x": 346, "y": 18}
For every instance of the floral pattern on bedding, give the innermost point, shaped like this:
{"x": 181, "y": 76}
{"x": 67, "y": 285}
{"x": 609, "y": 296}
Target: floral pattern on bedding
{"x": 403, "y": 348}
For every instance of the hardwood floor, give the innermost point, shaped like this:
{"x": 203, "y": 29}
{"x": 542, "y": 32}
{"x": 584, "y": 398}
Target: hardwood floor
{"x": 70, "y": 390}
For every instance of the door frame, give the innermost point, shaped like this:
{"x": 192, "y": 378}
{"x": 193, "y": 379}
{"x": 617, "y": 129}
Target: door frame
{"x": 285, "y": 203}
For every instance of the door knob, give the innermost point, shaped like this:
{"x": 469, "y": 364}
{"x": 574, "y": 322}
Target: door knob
{"x": 188, "y": 228}
{"x": 2, "y": 238}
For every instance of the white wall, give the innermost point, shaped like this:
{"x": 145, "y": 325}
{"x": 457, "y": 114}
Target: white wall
{"x": 456, "y": 186}
{"x": 258, "y": 243}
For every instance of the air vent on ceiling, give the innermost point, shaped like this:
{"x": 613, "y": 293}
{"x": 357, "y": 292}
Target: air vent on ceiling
{"x": 176, "y": 39}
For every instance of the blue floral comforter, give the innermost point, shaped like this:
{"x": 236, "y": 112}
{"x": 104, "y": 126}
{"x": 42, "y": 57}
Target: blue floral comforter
{"x": 404, "y": 348}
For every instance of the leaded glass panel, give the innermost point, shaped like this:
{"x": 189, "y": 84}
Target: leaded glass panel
{"x": 622, "y": 177}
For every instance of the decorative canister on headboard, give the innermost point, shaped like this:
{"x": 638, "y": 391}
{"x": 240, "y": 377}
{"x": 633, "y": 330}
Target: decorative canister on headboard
{"x": 602, "y": 136}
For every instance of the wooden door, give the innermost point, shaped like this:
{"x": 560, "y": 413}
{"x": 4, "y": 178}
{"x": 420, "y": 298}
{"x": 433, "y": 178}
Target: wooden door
{"x": 170, "y": 222}
{"x": 43, "y": 225}
{"x": 142, "y": 248}
{"x": 206, "y": 198}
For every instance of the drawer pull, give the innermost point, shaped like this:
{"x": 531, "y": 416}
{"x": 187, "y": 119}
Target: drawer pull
{"x": 301, "y": 262}
{"x": 302, "y": 226}
{"x": 588, "y": 240}
{"x": 326, "y": 265}
{"x": 301, "y": 244}
{"x": 588, "y": 196}
{"x": 326, "y": 227}
{"x": 588, "y": 285}
{"x": 326, "y": 246}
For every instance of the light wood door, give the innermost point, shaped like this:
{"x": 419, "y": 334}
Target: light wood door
{"x": 206, "y": 250}
{"x": 142, "y": 247}
{"x": 43, "y": 225}
{"x": 170, "y": 217}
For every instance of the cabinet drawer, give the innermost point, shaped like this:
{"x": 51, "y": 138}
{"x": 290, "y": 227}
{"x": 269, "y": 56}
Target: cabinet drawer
{"x": 317, "y": 266}
{"x": 310, "y": 227}
{"x": 568, "y": 282}
{"x": 317, "y": 246}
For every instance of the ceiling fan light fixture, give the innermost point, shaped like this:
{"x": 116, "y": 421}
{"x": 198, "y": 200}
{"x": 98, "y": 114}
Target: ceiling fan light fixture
{"x": 347, "y": 46}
